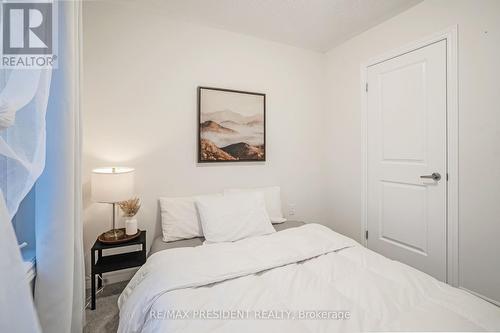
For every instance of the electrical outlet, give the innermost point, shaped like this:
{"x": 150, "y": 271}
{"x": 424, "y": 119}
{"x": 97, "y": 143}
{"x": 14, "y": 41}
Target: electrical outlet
{"x": 291, "y": 209}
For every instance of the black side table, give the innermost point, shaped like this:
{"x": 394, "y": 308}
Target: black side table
{"x": 115, "y": 262}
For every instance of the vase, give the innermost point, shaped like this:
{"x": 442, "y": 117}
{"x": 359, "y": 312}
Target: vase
{"x": 131, "y": 226}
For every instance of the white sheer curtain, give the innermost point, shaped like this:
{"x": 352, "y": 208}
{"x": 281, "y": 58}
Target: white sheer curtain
{"x": 59, "y": 285}
{"x": 17, "y": 313}
{"x": 23, "y": 102}
{"x": 24, "y": 136}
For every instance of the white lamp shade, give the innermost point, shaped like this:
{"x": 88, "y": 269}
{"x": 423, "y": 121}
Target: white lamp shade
{"x": 112, "y": 185}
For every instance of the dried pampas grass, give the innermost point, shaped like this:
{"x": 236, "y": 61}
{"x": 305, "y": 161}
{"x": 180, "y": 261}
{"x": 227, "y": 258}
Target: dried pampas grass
{"x": 130, "y": 207}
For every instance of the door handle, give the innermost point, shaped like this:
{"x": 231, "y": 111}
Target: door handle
{"x": 435, "y": 176}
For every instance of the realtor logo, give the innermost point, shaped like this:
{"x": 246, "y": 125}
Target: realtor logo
{"x": 28, "y": 34}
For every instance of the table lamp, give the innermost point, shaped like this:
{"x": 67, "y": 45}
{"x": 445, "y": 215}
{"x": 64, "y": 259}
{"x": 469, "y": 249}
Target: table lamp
{"x": 112, "y": 185}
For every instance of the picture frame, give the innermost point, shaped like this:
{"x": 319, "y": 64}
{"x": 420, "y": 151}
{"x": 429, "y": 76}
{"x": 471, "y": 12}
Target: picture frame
{"x": 231, "y": 125}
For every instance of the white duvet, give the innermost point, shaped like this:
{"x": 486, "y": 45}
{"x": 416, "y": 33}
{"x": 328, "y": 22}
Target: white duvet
{"x": 305, "y": 279}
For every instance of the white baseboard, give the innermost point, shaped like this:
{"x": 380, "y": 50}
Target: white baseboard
{"x": 497, "y": 303}
{"x": 114, "y": 277}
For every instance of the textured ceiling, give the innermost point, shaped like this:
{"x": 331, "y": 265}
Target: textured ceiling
{"x": 312, "y": 24}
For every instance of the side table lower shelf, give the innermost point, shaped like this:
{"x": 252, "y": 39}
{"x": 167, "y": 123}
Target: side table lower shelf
{"x": 114, "y": 262}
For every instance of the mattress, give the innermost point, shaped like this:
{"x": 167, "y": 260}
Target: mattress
{"x": 160, "y": 245}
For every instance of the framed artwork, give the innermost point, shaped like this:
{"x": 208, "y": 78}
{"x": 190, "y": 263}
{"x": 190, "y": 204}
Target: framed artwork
{"x": 231, "y": 125}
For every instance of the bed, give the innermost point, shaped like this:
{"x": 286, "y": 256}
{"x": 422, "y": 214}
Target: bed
{"x": 305, "y": 278}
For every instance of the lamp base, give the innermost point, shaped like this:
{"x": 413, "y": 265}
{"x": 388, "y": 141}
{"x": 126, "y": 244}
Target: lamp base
{"x": 114, "y": 234}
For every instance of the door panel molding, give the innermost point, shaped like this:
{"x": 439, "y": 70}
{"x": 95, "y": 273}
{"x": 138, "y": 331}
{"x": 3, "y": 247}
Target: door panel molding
{"x": 385, "y": 231}
{"x": 450, "y": 35}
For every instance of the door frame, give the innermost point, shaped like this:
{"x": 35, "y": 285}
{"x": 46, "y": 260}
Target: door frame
{"x": 450, "y": 35}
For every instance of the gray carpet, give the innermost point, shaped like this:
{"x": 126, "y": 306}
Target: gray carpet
{"x": 104, "y": 319}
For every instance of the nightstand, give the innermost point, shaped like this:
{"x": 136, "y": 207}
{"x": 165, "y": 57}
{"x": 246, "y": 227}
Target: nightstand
{"x": 114, "y": 262}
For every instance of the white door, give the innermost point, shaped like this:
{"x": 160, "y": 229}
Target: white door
{"x": 406, "y": 124}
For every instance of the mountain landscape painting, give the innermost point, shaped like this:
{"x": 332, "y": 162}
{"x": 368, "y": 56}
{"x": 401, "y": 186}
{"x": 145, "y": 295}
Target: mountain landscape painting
{"x": 231, "y": 125}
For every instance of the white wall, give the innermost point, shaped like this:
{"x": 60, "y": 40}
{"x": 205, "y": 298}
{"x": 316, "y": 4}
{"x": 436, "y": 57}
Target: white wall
{"x": 141, "y": 72}
{"x": 140, "y": 79}
{"x": 479, "y": 71}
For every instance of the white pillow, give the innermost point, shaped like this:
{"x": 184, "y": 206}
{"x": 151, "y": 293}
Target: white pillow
{"x": 180, "y": 219}
{"x": 272, "y": 197}
{"x": 232, "y": 217}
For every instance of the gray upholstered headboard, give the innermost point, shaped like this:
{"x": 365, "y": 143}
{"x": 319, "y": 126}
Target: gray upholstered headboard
{"x": 159, "y": 244}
